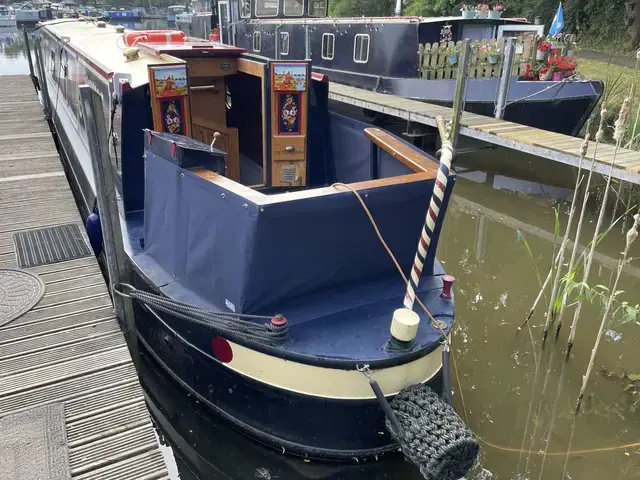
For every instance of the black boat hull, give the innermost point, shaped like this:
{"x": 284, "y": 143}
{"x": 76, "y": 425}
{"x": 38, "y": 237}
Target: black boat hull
{"x": 291, "y": 422}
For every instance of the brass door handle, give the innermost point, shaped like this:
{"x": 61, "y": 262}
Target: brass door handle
{"x": 289, "y": 148}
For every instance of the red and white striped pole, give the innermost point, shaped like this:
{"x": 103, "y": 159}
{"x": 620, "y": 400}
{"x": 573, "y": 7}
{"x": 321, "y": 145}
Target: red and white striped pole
{"x": 439, "y": 188}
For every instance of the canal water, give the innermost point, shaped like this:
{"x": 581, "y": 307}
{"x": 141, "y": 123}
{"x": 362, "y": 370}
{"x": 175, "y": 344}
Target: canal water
{"x": 497, "y": 241}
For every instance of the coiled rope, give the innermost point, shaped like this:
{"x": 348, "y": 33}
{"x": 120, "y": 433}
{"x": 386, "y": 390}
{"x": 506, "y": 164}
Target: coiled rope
{"x": 240, "y": 324}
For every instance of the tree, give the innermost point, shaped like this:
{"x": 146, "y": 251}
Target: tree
{"x": 359, "y": 8}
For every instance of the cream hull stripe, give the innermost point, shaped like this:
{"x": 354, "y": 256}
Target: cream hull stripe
{"x": 330, "y": 382}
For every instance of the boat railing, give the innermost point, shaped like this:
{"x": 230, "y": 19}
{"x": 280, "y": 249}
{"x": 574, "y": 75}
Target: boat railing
{"x": 437, "y": 61}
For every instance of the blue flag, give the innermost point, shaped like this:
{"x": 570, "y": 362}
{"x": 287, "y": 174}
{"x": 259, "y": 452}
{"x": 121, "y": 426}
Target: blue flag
{"x": 558, "y": 22}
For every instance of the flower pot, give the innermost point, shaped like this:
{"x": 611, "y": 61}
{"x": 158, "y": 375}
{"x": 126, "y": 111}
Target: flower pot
{"x": 557, "y": 76}
{"x": 495, "y": 15}
{"x": 468, "y": 14}
{"x": 493, "y": 59}
{"x": 453, "y": 59}
{"x": 540, "y": 55}
{"x": 482, "y": 14}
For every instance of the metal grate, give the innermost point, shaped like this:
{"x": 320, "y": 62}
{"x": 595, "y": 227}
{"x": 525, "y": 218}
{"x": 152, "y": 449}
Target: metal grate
{"x": 288, "y": 173}
{"x": 50, "y": 245}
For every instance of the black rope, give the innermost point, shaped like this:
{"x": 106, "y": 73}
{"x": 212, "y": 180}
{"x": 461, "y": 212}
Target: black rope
{"x": 239, "y": 324}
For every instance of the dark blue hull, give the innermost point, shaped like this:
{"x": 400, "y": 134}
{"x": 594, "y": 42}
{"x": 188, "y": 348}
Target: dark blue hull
{"x": 304, "y": 425}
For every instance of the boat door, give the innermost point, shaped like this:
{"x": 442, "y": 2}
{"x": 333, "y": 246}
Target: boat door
{"x": 224, "y": 14}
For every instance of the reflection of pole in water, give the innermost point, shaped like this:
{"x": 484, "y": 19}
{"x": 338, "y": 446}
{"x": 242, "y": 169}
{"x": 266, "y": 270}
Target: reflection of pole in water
{"x": 481, "y": 237}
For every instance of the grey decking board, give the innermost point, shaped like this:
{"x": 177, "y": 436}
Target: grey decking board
{"x": 58, "y": 354}
{"x": 68, "y": 389}
{"x": 62, "y": 316}
{"x": 61, "y": 338}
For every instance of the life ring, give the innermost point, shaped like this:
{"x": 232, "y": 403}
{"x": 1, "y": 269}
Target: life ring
{"x": 153, "y": 36}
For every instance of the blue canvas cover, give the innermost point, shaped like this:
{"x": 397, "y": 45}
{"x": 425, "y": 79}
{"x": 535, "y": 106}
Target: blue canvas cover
{"x": 241, "y": 253}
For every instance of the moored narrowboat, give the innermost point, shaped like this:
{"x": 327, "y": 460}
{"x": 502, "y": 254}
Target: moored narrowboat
{"x": 409, "y": 56}
{"x": 249, "y": 215}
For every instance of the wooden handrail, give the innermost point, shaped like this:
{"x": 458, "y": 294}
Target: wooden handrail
{"x": 402, "y": 152}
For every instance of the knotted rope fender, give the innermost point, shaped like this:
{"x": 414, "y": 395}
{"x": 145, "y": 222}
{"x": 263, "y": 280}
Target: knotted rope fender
{"x": 433, "y": 436}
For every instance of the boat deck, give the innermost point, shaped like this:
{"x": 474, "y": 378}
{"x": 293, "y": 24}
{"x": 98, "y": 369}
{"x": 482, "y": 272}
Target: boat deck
{"x": 68, "y": 351}
{"x": 541, "y": 143}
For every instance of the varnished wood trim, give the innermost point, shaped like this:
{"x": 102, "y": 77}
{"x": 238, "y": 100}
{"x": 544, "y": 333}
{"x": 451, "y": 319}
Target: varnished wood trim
{"x": 365, "y": 185}
{"x": 398, "y": 150}
{"x": 262, "y": 199}
{"x": 250, "y": 67}
{"x": 229, "y": 184}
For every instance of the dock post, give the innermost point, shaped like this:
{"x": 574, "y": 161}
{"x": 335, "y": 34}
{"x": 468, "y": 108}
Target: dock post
{"x": 108, "y": 210}
{"x": 462, "y": 75}
{"x": 505, "y": 78}
{"x": 29, "y": 59}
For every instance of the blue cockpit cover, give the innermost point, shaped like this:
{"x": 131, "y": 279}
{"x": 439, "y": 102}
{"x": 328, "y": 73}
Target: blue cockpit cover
{"x": 242, "y": 250}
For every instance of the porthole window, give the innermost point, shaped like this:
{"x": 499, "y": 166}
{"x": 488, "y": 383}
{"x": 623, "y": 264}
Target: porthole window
{"x": 328, "y": 46}
{"x": 284, "y": 43}
{"x": 361, "y": 48}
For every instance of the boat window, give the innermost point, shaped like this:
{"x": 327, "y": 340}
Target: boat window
{"x": 284, "y": 43}
{"x": 266, "y": 8}
{"x": 52, "y": 59}
{"x": 257, "y": 41}
{"x": 361, "y": 48}
{"x": 245, "y": 8}
{"x": 293, "y": 8}
{"x": 317, "y": 8}
{"x": 328, "y": 42}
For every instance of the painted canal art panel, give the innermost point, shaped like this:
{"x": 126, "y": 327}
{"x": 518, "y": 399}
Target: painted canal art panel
{"x": 173, "y": 116}
{"x": 170, "y": 81}
{"x": 289, "y": 113}
{"x": 289, "y": 77}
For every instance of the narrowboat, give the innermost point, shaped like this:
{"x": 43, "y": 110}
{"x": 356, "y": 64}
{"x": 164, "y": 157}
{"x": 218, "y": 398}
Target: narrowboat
{"x": 122, "y": 15}
{"x": 7, "y": 17}
{"x": 396, "y": 55}
{"x": 196, "y": 20}
{"x": 249, "y": 214}
{"x": 172, "y": 11}
{"x": 29, "y": 15}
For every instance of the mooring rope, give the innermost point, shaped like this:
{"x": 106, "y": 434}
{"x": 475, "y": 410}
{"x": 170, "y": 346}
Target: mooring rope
{"x": 239, "y": 324}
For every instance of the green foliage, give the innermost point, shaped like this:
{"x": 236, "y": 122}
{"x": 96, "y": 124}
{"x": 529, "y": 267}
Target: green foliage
{"x": 359, "y": 8}
{"x": 597, "y": 23}
{"x": 431, "y": 8}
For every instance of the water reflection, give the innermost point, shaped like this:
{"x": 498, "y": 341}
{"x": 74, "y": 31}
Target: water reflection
{"x": 13, "y": 57}
{"x": 509, "y": 385}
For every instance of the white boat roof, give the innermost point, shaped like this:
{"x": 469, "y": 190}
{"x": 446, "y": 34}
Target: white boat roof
{"x": 102, "y": 48}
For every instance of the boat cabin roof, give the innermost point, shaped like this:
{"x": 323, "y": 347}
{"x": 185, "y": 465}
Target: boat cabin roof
{"x": 395, "y": 20}
{"x": 88, "y": 41}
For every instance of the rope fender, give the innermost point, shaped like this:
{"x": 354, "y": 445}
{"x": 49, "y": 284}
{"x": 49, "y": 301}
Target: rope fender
{"x": 239, "y": 324}
{"x": 433, "y": 436}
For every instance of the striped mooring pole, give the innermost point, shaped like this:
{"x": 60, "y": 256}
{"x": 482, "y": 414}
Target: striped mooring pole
{"x": 440, "y": 186}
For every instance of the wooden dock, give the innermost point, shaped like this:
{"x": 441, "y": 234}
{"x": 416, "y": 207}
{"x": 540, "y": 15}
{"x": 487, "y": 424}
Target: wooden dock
{"x": 541, "y": 143}
{"x": 68, "y": 351}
